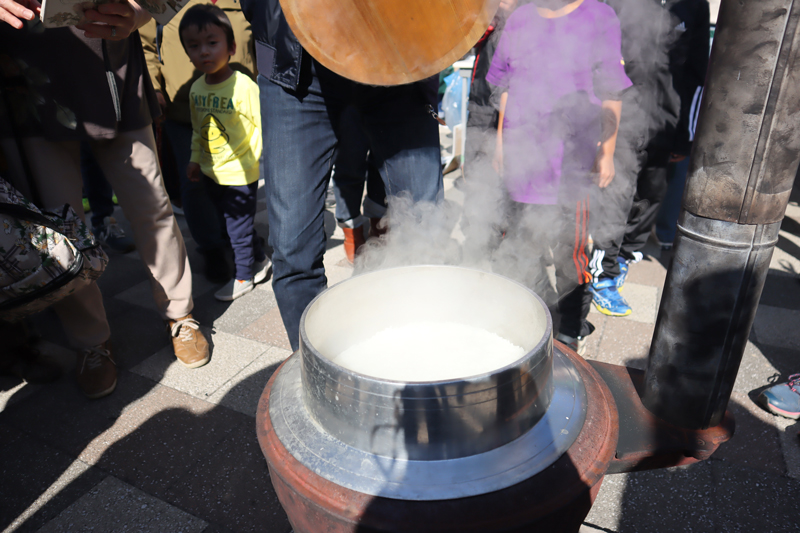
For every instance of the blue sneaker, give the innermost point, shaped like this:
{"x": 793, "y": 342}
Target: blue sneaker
{"x": 619, "y": 281}
{"x": 607, "y": 299}
{"x": 783, "y": 399}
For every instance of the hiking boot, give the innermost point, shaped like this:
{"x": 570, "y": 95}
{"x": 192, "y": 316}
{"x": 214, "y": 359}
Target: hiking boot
{"x": 607, "y": 299}
{"x": 189, "y": 343}
{"x": 96, "y": 372}
{"x": 110, "y": 234}
{"x": 234, "y": 289}
{"x": 353, "y": 240}
{"x": 783, "y": 399}
{"x": 261, "y": 269}
{"x": 577, "y": 344}
{"x": 619, "y": 281}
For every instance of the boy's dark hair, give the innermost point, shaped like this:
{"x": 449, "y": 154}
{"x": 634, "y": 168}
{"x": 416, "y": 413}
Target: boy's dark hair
{"x": 203, "y": 15}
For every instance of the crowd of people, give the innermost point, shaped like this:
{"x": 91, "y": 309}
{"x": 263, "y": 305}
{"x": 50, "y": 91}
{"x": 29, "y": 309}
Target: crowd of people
{"x": 581, "y": 118}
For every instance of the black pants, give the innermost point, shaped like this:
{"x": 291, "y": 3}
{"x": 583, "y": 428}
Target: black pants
{"x": 625, "y": 211}
{"x": 534, "y": 233}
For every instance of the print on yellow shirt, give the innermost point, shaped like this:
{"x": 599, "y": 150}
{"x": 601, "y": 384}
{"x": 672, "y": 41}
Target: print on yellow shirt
{"x": 212, "y": 135}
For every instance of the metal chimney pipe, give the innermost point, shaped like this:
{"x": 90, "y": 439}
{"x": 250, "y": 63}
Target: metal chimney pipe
{"x": 743, "y": 164}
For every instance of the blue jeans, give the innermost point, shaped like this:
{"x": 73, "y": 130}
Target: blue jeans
{"x": 202, "y": 218}
{"x": 97, "y": 189}
{"x": 667, "y": 221}
{"x": 301, "y": 133}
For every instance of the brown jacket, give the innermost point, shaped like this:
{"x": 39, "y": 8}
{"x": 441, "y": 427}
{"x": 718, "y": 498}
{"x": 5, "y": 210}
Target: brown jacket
{"x": 173, "y": 74}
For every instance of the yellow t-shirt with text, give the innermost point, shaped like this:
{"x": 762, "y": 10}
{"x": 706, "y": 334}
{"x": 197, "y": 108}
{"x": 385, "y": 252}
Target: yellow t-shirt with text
{"x": 226, "y": 129}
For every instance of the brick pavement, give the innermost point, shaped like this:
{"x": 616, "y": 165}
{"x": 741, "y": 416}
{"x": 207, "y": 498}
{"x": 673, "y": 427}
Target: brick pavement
{"x": 175, "y": 449}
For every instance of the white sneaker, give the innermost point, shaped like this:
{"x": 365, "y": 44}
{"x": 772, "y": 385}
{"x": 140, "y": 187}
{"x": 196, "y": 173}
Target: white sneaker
{"x": 234, "y": 289}
{"x": 261, "y": 270}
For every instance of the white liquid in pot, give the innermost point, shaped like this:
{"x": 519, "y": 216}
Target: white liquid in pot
{"x": 429, "y": 351}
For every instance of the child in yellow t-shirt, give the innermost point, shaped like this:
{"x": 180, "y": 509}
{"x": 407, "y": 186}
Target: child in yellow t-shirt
{"x": 226, "y": 140}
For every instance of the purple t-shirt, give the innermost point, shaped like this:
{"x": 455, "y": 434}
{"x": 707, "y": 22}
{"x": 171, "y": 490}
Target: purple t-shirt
{"x": 557, "y": 72}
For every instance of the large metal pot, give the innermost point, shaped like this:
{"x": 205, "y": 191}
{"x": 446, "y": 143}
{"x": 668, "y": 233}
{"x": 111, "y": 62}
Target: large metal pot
{"x": 426, "y": 440}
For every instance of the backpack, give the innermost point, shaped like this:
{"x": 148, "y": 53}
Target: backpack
{"x": 44, "y": 255}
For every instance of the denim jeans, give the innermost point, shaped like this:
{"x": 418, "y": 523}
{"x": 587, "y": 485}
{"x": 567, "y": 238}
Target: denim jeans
{"x": 204, "y": 223}
{"x": 97, "y": 189}
{"x": 301, "y": 132}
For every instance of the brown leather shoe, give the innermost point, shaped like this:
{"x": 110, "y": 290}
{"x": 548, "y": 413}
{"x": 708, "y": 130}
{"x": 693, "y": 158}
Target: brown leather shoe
{"x": 376, "y": 229}
{"x": 96, "y": 372}
{"x": 189, "y": 343}
{"x": 353, "y": 240}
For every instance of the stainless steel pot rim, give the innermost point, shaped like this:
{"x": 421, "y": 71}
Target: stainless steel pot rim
{"x": 306, "y": 343}
{"x": 398, "y": 478}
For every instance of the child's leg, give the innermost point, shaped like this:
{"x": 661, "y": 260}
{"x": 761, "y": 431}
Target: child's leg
{"x": 522, "y": 254}
{"x": 238, "y": 205}
{"x": 569, "y": 255}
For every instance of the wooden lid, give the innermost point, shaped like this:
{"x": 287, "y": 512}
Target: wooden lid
{"x": 388, "y": 42}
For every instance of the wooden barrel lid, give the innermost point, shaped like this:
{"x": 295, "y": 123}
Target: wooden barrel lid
{"x": 388, "y": 42}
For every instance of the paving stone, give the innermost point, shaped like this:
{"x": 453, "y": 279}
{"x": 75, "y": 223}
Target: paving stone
{"x": 763, "y": 364}
{"x": 233, "y": 487}
{"x": 755, "y": 430}
{"x": 136, "y": 335}
{"x": 122, "y": 272}
{"x": 160, "y": 439}
{"x": 140, "y": 294}
{"x": 117, "y": 506}
{"x": 625, "y": 342}
{"x": 786, "y": 255}
{"x": 643, "y": 299}
{"x": 269, "y": 330}
{"x": 648, "y": 271}
{"x": 39, "y": 481}
{"x": 790, "y": 445}
{"x": 242, "y": 392}
{"x": 776, "y": 326}
{"x": 233, "y": 316}
{"x": 748, "y": 500}
{"x": 62, "y": 417}
{"x": 781, "y": 290}
{"x": 674, "y": 499}
{"x": 604, "y": 515}
{"x": 229, "y": 355}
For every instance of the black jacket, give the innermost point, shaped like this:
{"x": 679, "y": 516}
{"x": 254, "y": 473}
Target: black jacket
{"x": 688, "y": 63}
{"x": 281, "y": 58}
{"x": 278, "y": 53}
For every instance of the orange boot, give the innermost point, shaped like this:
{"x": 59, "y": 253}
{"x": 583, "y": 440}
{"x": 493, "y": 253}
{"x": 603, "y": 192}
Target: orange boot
{"x": 353, "y": 240}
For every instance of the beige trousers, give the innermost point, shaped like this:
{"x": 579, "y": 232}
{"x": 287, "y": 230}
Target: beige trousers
{"x": 130, "y": 164}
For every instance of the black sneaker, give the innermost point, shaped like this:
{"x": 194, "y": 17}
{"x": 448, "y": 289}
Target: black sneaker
{"x": 110, "y": 234}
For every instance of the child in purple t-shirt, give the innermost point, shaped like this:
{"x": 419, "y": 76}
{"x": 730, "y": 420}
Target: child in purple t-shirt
{"x": 560, "y": 70}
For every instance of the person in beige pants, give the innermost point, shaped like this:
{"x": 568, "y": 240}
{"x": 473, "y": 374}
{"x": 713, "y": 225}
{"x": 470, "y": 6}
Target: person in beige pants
{"x": 115, "y": 118}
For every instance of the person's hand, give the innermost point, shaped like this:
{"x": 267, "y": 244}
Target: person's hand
{"x": 497, "y": 161}
{"x": 193, "y": 172}
{"x": 13, "y": 12}
{"x": 113, "y": 21}
{"x": 603, "y": 170}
